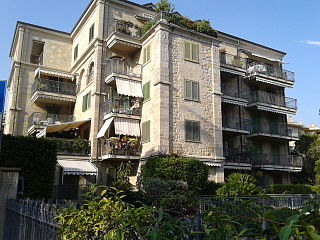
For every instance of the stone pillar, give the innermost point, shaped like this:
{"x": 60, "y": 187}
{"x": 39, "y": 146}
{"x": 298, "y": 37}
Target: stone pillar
{"x": 216, "y": 174}
{"x": 8, "y": 189}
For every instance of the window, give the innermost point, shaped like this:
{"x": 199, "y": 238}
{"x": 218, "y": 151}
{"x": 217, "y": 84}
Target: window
{"x": 191, "y": 51}
{"x": 90, "y": 73}
{"x": 146, "y": 91}
{"x": 75, "y": 52}
{"x": 191, "y": 90}
{"x": 145, "y": 136}
{"x": 37, "y": 52}
{"x": 91, "y": 33}
{"x": 86, "y": 102}
{"x": 192, "y": 131}
{"x": 146, "y": 54}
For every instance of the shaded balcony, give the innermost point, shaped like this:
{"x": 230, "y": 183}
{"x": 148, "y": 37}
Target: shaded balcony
{"x": 236, "y": 125}
{"x": 122, "y": 148}
{"x": 38, "y": 121}
{"x": 233, "y": 64}
{"x": 52, "y": 91}
{"x": 123, "y": 36}
{"x": 272, "y": 102}
{"x": 268, "y": 130}
{"x": 126, "y": 106}
{"x": 118, "y": 68}
{"x": 272, "y": 161}
{"x": 237, "y": 159}
{"x": 234, "y": 95}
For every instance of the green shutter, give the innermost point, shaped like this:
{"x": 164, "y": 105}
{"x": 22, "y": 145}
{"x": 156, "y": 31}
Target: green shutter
{"x": 145, "y": 136}
{"x": 188, "y": 89}
{"x": 195, "y": 91}
{"x": 146, "y": 91}
{"x": 187, "y": 50}
{"x": 91, "y": 32}
{"x": 189, "y": 130}
{"x": 195, "y": 52}
{"x": 89, "y": 100}
{"x": 196, "y": 131}
{"x": 84, "y": 100}
{"x": 75, "y": 53}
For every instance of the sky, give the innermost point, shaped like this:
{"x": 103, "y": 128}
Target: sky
{"x": 287, "y": 25}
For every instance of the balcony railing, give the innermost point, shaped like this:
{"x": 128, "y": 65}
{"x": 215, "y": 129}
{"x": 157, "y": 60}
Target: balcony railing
{"x": 272, "y": 128}
{"x": 45, "y": 119}
{"x": 269, "y": 70}
{"x": 277, "y": 159}
{"x": 273, "y": 99}
{"x": 233, "y": 61}
{"x": 236, "y": 123}
{"x": 118, "y": 66}
{"x": 234, "y": 91}
{"x": 52, "y": 86}
{"x": 116, "y": 147}
{"x": 124, "y": 28}
{"x": 122, "y": 105}
{"x": 237, "y": 156}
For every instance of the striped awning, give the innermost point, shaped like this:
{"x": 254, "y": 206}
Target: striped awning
{"x": 73, "y": 167}
{"x": 275, "y": 110}
{"x": 129, "y": 87}
{"x": 234, "y": 102}
{"x": 65, "y": 126}
{"x": 235, "y": 72}
{"x": 273, "y": 82}
{"x": 126, "y": 126}
{"x": 52, "y": 73}
{"x": 104, "y": 128}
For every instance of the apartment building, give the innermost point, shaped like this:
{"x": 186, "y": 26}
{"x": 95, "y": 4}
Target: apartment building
{"x": 169, "y": 90}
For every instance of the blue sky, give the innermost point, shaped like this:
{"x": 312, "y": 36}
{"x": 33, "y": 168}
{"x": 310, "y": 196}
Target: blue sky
{"x": 287, "y": 25}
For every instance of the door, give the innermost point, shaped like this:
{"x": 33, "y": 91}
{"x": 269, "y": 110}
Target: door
{"x": 275, "y": 151}
{"x": 256, "y": 123}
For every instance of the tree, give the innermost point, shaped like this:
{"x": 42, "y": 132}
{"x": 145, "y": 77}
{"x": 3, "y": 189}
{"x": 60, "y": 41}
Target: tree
{"x": 164, "y": 6}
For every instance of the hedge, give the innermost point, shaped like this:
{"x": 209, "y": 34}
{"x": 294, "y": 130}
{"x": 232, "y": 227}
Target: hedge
{"x": 189, "y": 170}
{"x": 37, "y": 159}
{"x": 293, "y": 189}
{"x": 73, "y": 146}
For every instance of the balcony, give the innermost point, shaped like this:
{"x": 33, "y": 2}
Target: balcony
{"x": 50, "y": 91}
{"x": 38, "y": 121}
{"x": 270, "y": 74}
{"x": 122, "y": 106}
{"x": 271, "y": 161}
{"x": 233, "y": 64}
{"x": 272, "y": 102}
{"x": 118, "y": 68}
{"x": 237, "y": 159}
{"x": 123, "y": 37}
{"x": 236, "y": 125}
{"x": 234, "y": 95}
{"x": 122, "y": 149}
{"x": 269, "y": 130}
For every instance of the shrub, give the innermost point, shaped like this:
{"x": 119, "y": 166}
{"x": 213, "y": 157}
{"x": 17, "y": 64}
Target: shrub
{"x": 37, "y": 159}
{"x": 291, "y": 189}
{"x": 147, "y": 26}
{"x": 189, "y": 170}
{"x": 204, "y": 26}
{"x": 238, "y": 185}
{"x": 210, "y": 188}
{"x": 65, "y": 145}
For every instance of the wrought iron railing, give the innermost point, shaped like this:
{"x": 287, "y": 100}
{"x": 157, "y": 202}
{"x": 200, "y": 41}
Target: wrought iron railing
{"x": 122, "y": 105}
{"x": 114, "y": 147}
{"x": 272, "y": 128}
{"x": 45, "y": 119}
{"x": 233, "y": 61}
{"x": 124, "y": 28}
{"x": 273, "y": 99}
{"x": 276, "y": 159}
{"x": 237, "y": 156}
{"x": 234, "y": 91}
{"x": 52, "y": 86}
{"x": 118, "y": 66}
{"x": 236, "y": 123}
{"x": 269, "y": 70}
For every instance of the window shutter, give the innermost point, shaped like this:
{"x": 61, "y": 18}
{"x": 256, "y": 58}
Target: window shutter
{"x": 145, "y": 136}
{"x": 189, "y": 132}
{"x": 148, "y": 53}
{"x": 188, "y": 89}
{"x": 195, "y": 91}
{"x": 195, "y": 52}
{"x": 196, "y": 131}
{"x": 89, "y": 100}
{"x": 146, "y": 91}
{"x": 187, "y": 50}
{"x": 144, "y": 55}
{"x": 84, "y": 101}
{"x": 148, "y": 131}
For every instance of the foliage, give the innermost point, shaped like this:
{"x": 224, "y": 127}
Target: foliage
{"x": 107, "y": 216}
{"x": 238, "y": 185}
{"x": 189, "y": 170}
{"x": 122, "y": 181}
{"x": 164, "y": 6}
{"x": 291, "y": 189}
{"x": 210, "y": 188}
{"x": 77, "y": 145}
{"x": 147, "y": 26}
{"x": 302, "y": 146}
{"x": 204, "y": 26}
{"x": 37, "y": 159}
{"x": 317, "y": 172}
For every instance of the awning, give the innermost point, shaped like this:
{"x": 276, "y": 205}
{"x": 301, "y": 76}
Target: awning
{"x": 104, "y": 128}
{"x": 40, "y": 71}
{"x": 264, "y": 57}
{"x": 72, "y": 167}
{"x": 125, "y": 126}
{"x": 65, "y": 126}
{"x": 129, "y": 87}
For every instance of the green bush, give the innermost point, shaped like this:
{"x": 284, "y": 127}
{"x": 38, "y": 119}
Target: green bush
{"x": 210, "y": 188}
{"x": 238, "y": 185}
{"x": 37, "y": 159}
{"x": 189, "y": 170}
{"x": 292, "y": 189}
{"x": 76, "y": 146}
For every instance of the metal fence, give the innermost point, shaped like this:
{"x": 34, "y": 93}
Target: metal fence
{"x": 29, "y": 220}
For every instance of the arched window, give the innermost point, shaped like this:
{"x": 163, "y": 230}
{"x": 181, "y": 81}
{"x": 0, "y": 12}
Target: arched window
{"x": 79, "y": 81}
{"x": 90, "y": 73}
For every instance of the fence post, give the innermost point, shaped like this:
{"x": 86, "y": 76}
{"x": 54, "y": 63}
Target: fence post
{"x": 198, "y": 228}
